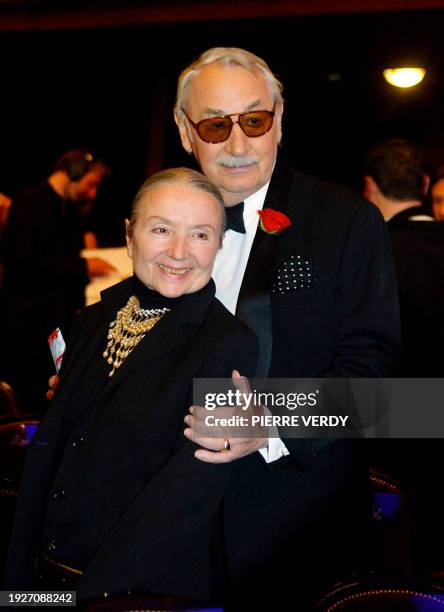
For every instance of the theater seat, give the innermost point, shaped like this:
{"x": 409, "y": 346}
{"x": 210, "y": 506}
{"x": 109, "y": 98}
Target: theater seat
{"x": 391, "y": 536}
{"x": 384, "y": 596}
{"x": 15, "y": 436}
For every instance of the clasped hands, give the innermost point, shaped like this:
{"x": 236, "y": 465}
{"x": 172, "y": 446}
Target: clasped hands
{"x": 217, "y": 443}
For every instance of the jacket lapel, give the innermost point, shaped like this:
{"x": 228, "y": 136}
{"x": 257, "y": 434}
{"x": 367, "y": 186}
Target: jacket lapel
{"x": 254, "y": 302}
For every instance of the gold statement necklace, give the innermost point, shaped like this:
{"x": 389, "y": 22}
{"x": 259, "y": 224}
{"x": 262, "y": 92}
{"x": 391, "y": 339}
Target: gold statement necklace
{"x": 128, "y": 329}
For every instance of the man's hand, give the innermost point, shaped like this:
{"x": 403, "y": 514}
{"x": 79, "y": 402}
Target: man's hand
{"x": 98, "y": 267}
{"x": 214, "y": 449}
{"x": 52, "y": 382}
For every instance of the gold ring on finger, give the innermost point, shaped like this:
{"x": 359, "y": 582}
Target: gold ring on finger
{"x": 227, "y": 446}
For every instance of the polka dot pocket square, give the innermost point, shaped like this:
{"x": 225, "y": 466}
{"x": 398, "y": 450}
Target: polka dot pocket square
{"x": 294, "y": 274}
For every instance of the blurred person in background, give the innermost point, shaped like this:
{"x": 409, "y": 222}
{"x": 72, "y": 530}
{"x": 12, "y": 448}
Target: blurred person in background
{"x": 396, "y": 182}
{"x": 44, "y": 274}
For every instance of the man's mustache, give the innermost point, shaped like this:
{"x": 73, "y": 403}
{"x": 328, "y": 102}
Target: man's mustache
{"x": 234, "y": 161}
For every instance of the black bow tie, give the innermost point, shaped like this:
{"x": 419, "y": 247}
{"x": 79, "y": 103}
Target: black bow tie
{"x": 235, "y": 218}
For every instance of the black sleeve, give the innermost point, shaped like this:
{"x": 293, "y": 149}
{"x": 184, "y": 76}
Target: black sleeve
{"x": 367, "y": 338}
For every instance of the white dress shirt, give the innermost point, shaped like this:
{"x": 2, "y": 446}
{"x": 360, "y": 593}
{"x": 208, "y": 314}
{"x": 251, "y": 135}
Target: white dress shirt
{"x": 228, "y": 273}
{"x": 232, "y": 258}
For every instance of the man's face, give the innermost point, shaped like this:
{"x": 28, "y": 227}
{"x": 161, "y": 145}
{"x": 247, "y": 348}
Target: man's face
{"x": 85, "y": 189}
{"x": 438, "y": 200}
{"x": 240, "y": 166}
{"x": 175, "y": 239}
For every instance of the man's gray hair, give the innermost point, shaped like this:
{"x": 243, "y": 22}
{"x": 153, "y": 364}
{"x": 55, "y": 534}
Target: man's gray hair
{"x": 226, "y": 56}
{"x": 173, "y": 176}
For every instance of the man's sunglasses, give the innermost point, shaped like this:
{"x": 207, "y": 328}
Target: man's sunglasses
{"x": 218, "y": 129}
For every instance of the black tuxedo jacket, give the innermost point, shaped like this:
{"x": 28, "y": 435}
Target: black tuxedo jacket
{"x": 160, "y": 507}
{"x": 322, "y": 299}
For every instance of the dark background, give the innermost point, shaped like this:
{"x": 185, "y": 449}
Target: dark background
{"x": 112, "y": 90}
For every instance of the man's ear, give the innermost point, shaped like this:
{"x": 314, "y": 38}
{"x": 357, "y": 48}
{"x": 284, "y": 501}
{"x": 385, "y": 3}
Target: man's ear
{"x": 129, "y": 240}
{"x": 370, "y": 188}
{"x": 184, "y": 134}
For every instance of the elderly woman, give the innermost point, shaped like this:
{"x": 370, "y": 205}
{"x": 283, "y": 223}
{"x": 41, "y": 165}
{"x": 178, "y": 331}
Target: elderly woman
{"x": 113, "y": 498}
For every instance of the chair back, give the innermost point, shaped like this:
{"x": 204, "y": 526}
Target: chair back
{"x": 392, "y": 547}
{"x": 15, "y": 436}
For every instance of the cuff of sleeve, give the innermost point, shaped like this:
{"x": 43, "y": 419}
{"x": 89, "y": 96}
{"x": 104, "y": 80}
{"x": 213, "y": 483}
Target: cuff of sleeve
{"x": 275, "y": 450}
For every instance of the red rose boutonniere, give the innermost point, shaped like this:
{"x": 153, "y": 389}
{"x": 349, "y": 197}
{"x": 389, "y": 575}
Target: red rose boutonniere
{"x": 273, "y": 221}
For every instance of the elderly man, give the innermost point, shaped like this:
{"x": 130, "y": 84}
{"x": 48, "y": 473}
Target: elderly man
{"x": 321, "y": 297}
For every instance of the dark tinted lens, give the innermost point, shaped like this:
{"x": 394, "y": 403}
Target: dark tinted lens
{"x": 256, "y": 123}
{"x": 215, "y": 130}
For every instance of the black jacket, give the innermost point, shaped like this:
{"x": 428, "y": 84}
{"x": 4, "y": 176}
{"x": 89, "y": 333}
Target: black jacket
{"x": 160, "y": 506}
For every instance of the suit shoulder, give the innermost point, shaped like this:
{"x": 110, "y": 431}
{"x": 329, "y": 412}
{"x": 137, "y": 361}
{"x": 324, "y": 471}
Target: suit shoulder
{"x": 330, "y": 197}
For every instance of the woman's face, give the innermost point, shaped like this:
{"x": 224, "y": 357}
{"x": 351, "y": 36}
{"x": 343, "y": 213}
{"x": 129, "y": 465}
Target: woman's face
{"x": 438, "y": 200}
{"x": 175, "y": 239}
